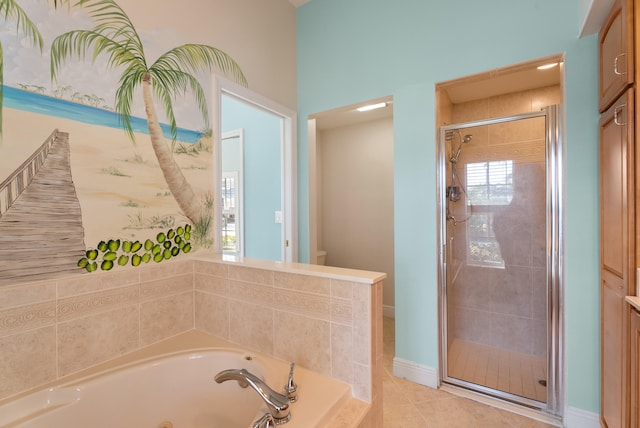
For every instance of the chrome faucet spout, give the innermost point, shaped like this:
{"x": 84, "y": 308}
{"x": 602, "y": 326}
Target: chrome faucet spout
{"x": 277, "y": 403}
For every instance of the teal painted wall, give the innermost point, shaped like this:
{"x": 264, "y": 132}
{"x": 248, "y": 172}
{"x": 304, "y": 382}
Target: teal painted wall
{"x": 355, "y": 50}
{"x": 262, "y": 176}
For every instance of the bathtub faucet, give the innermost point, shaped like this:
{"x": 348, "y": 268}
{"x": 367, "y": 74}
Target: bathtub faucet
{"x": 277, "y": 403}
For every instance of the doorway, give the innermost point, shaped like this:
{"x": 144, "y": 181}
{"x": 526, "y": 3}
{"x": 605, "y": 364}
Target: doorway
{"x": 351, "y": 190}
{"x": 232, "y": 193}
{"x": 499, "y": 191}
{"x": 264, "y": 223}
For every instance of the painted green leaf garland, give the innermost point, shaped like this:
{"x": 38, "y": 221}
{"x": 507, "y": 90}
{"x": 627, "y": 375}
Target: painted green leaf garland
{"x": 113, "y": 252}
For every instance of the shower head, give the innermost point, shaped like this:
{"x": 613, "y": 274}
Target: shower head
{"x": 463, "y": 140}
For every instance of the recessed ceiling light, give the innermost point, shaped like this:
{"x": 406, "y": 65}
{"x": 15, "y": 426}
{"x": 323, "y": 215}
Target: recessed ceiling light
{"x": 371, "y": 107}
{"x": 547, "y": 66}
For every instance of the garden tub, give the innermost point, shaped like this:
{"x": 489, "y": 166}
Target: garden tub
{"x": 175, "y": 390}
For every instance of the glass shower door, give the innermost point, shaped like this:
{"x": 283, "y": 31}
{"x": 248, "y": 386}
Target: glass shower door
{"x": 496, "y": 184}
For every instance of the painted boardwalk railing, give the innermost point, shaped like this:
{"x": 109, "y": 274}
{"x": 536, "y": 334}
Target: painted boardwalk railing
{"x": 41, "y": 233}
{"x": 13, "y": 186}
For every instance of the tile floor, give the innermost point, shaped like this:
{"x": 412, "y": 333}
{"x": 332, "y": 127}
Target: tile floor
{"x": 409, "y": 405}
{"x": 498, "y": 369}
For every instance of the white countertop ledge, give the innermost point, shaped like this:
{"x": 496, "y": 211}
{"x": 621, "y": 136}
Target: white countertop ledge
{"x": 353, "y": 275}
{"x": 634, "y": 301}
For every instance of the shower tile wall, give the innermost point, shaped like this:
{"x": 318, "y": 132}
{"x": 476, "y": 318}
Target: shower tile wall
{"x": 504, "y": 307}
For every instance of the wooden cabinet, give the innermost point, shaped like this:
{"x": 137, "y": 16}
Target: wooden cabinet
{"x": 614, "y": 399}
{"x": 616, "y": 53}
{"x": 634, "y": 355}
{"x": 617, "y": 253}
{"x": 617, "y": 197}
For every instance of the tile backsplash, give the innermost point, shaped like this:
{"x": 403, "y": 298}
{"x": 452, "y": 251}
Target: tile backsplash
{"x": 325, "y": 319}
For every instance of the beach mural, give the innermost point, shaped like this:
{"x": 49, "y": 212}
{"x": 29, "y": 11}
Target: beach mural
{"x": 106, "y": 152}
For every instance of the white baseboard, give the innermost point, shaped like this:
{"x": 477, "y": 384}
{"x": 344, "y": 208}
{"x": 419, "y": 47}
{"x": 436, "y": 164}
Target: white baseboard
{"x": 389, "y": 311}
{"x": 578, "y": 418}
{"x": 416, "y": 373}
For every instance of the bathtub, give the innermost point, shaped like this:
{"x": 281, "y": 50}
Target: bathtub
{"x": 175, "y": 390}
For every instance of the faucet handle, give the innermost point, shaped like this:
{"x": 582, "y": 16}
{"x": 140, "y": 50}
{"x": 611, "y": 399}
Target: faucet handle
{"x": 291, "y": 388}
{"x": 266, "y": 421}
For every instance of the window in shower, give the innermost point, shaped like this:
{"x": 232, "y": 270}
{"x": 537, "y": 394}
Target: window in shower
{"x": 489, "y": 185}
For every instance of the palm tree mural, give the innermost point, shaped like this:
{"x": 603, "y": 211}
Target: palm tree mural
{"x": 171, "y": 74}
{"x": 10, "y": 10}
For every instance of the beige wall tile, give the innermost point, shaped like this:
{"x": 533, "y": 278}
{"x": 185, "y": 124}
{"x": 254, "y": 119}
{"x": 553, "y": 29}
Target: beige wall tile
{"x": 96, "y": 281}
{"x": 248, "y": 274}
{"x": 505, "y": 134}
{"x": 28, "y": 360}
{"x": 92, "y": 303}
{"x": 251, "y": 325}
{"x": 166, "y": 269}
{"x": 509, "y": 104}
{"x": 342, "y": 311}
{"x": 165, "y": 287}
{"x": 512, "y": 333}
{"x": 307, "y": 341}
{"x": 91, "y": 340}
{"x": 362, "y": 382}
{"x": 342, "y": 289}
{"x": 543, "y": 97}
{"x": 305, "y": 283}
{"x": 317, "y": 322}
{"x": 165, "y": 317}
{"x": 362, "y": 324}
{"x": 311, "y": 305}
{"x": 27, "y": 294}
{"x": 342, "y": 352}
{"x": 471, "y": 111}
{"x": 212, "y": 314}
{"x": 211, "y": 268}
{"x": 27, "y": 317}
{"x": 251, "y": 293}
{"x": 212, "y": 284}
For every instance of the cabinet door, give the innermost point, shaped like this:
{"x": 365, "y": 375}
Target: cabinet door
{"x": 617, "y": 207}
{"x": 616, "y": 54}
{"x": 613, "y": 373}
{"x": 617, "y": 257}
{"x": 635, "y": 369}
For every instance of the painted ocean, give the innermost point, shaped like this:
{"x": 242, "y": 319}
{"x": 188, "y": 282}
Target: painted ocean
{"x": 38, "y": 103}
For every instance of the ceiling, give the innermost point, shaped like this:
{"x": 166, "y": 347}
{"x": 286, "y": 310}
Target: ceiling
{"x": 348, "y": 115}
{"x": 500, "y": 82}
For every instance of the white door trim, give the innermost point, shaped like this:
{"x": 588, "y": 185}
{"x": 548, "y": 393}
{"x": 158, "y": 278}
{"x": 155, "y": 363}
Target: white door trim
{"x": 239, "y": 224}
{"x": 222, "y": 86}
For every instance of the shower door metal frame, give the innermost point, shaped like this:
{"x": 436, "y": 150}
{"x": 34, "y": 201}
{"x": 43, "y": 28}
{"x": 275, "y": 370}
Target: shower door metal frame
{"x": 554, "y": 149}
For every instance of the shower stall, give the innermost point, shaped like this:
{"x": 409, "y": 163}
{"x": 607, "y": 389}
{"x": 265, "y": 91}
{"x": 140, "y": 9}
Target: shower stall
{"x": 500, "y": 196}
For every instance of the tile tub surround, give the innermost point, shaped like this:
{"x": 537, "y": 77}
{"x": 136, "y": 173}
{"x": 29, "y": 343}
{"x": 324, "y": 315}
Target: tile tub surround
{"x": 49, "y": 329}
{"x": 326, "y": 319}
{"x": 323, "y": 318}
